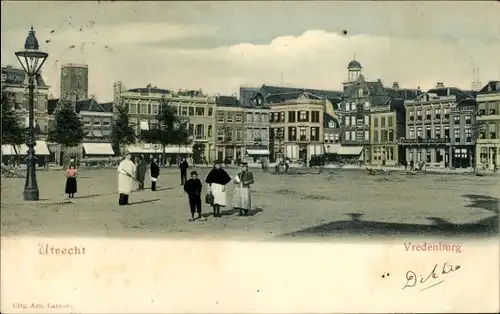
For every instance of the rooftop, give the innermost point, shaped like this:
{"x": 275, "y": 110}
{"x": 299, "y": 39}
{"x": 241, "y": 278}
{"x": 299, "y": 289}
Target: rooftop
{"x": 16, "y": 76}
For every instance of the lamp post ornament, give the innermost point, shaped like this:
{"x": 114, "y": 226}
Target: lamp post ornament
{"x": 31, "y": 59}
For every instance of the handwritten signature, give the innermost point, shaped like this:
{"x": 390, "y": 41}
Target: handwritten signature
{"x": 434, "y": 275}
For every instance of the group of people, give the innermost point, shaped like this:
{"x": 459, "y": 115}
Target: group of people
{"x": 130, "y": 173}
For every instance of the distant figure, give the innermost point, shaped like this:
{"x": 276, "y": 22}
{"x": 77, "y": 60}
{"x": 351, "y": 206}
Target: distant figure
{"x": 155, "y": 172}
{"x": 412, "y": 165}
{"x": 126, "y": 177}
{"x": 217, "y": 179}
{"x": 287, "y": 165}
{"x": 71, "y": 187}
{"x": 193, "y": 189}
{"x": 405, "y": 164}
{"x": 242, "y": 198}
{"x": 141, "y": 172}
{"x": 183, "y": 165}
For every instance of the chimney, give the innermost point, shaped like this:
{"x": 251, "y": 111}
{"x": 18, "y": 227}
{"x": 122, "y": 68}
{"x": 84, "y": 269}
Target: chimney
{"x": 440, "y": 85}
{"x": 395, "y": 85}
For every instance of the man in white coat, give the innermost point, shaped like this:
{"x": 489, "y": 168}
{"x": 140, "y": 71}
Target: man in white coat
{"x": 126, "y": 175}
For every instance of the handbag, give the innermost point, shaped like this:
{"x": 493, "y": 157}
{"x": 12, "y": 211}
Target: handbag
{"x": 209, "y": 198}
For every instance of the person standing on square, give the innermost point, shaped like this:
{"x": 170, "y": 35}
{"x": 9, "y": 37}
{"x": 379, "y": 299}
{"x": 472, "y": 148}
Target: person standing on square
{"x": 193, "y": 189}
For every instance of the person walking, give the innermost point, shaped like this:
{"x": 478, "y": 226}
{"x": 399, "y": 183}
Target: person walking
{"x": 71, "y": 186}
{"x": 242, "y": 197}
{"x": 217, "y": 179}
{"x": 183, "y": 165}
{"x": 126, "y": 178}
{"x": 154, "y": 173}
{"x": 193, "y": 189}
{"x": 141, "y": 172}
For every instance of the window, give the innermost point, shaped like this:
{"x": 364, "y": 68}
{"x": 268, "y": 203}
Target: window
{"x": 446, "y": 113}
{"x": 389, "y": 122}
{"x": 191, "y": 111}
{"x": 302, "y": 116}
{"x": 419, "y": 133}
{"x": 347, "y": 107}
{"x": 439, "y": 156}
{"x": 456, "y": 120}
{"x": 375, "y": 122}
{"x": 367, "y": 105}
{"x": 447, "y": 132}
{"x": 375, "y": 136}
{"x": 291, "y": 116}
{"x": 155, "y": 109}
{"x": 229, "y": 117}
{"x": 437, "y": 113}
{"x": 492, "y": 132}
{"x": 153, "y": 124}
{"x": 353, "y": 106}
{"x": 383, "y": 136}
{"x": 106, "y": 122}
{"x": 184, "y": 111}
{"x": 353, "y": 135}
{"x": 468, "y": 134}
{"x": 249, "y": 134}
{"x": 382, "y": 122}
{"x": 468, "y": 119}
{"x": 367, "y": 120}
{"x": 220, "y": 135}
{"x": 239, "y": 135}
{"x": 315, "y": 116}
{"x": 428, "y": 115}
{"x": 492, "y": 107}
{"x": 200, "y": 131}
{"x": 282, "y": 116}
{"x": 209, "y": 131}
{"x": 419, "y": 115}
{"x": 210, "y": 112}
{"x": 353, "y": 120}
{"x": 238, "y": 117}
{"x": 367, "y": 135}
{"x": 264, "y": 117}
{"x": 303, "y": 134}
{"x": 256, "y": 117}
{"x": 276, "y": 117}
{"x": 411, "y": 133}
{"x": 412, "y": 115}
{"x": 200, "y": 111}
{"x": 428, "y": 132}
{"x": 292, "y": 133}
{"x": 132, "y": 108}
{"x": 347, "y": 136}
{"x": 437, "y": 132}
{"x": 428, "y": 156}
{"x": 220, "y": 116}
{"x": 144, "y": 109}
{"x": 86, "y": 121}
{"x": 347, "y": 121}
{"x": 456, "y": 134}
{"x": 249, "y": 117}
{"x": 264, "y": 135}
{"x": 96, "y": 122}
{"x": 391, "y": 135}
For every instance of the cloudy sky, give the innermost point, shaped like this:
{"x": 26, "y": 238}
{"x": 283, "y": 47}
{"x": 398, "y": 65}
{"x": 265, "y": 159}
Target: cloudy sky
{"x": 218, "y": 46}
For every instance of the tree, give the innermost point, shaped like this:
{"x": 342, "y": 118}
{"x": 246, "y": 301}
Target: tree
{"x": 67, "y": 129}
{"x": 13, "y": 133}
{"x": 121, "y": 132}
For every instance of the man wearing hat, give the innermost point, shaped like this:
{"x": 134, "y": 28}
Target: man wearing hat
{"x": 242, "y": 198}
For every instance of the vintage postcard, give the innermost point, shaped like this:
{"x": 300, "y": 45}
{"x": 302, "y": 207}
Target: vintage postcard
{"x": 250, "y": 157}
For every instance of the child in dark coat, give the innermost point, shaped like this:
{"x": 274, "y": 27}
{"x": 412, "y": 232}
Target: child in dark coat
{"x": 193, "y": 189}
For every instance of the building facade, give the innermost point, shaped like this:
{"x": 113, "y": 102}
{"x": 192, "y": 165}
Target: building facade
{"x": 229, "y": 128}
{"x": 74, "y": 81}
{"x": 384, "y": 137}
{"x": 199, "y": 109}
{"x": 462, "y": 122}
{"x": 15, "y": 81}
{"x": 428, "y": 126}
{"x": 256, "y": 131}
{"x": 488, "y": 142}
{"x": 296, "y": 123}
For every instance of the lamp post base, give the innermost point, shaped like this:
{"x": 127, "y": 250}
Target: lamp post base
{"x": 31, "y": 194}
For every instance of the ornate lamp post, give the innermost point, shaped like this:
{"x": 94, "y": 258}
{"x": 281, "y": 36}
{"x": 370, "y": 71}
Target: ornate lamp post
{"x": 31, "y": 60}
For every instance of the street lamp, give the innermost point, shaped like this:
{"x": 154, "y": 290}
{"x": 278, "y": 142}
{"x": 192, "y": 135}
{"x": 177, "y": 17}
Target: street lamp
{"x": 31, "y": 60}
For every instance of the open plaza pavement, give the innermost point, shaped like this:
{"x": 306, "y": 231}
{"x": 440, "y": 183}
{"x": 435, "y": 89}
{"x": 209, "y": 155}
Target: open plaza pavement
{"x": 335, "y": 205}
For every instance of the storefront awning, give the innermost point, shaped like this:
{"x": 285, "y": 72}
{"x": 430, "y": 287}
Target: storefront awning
{"x": 332, "y": 148}
{"x": 41, "y": 149}
{"x": 8, "y": 150}
{"x": 258, "y": 152}
{"x": 144, "y": 125}
{"x": 101, "y": 149}
{"x": 350, "y": 150}
{"x": 158, "y": 149}
{"x": 178, "y": 150}
{"x": 97, "y": 133}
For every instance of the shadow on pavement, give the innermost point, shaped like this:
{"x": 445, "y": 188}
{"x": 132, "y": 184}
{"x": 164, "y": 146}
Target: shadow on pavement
{"x": 440, "y": 227}
{"x": 145, "y": 201}
{"x": 231, "y": 212}
{"x": 93, "y": 195}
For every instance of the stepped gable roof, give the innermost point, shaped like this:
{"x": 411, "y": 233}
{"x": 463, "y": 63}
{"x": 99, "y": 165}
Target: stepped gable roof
{"x": 93, "y": 106}
{"x": 271, "y": 90}
{"x": 286, "y": 97}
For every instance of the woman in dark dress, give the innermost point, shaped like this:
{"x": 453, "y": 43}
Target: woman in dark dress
{"x": 71, "y": 181}
{"x": 155, "y": 172}
{"x": 140, "y": 172}
{"x": 217, "y": 179}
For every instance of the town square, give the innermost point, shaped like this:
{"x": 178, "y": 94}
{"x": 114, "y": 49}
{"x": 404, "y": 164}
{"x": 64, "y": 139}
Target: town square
{"x": 336, "y": 205}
